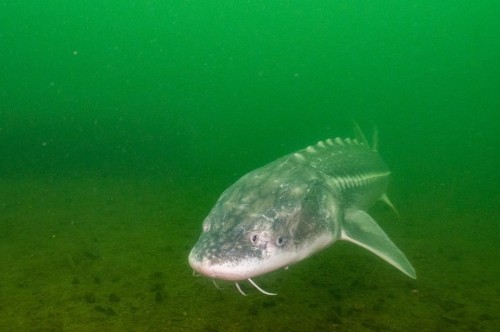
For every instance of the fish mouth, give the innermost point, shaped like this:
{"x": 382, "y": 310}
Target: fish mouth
{"x": 205, "y": 267}
{"x": 228, "y": 271}
{"x": 235, "y": 270}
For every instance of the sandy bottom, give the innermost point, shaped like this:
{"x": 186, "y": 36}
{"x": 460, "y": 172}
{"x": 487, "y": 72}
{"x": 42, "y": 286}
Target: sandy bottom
{"x": 101, "y": 254}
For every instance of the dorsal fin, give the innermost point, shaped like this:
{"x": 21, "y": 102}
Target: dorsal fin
{"x": 362, "y": 138}
{"x": 359, "y": 134}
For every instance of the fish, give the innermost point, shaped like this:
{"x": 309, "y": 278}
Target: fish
{"x": 293, "y": 207}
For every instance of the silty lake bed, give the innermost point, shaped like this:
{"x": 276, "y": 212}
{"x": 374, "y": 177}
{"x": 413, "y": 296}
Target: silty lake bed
{"x": 111, "y": 254}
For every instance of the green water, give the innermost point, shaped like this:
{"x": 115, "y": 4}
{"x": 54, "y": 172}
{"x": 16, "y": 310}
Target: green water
{"x": 122, "y": 121}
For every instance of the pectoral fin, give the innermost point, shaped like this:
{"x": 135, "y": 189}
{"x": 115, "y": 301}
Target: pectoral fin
{"x": 359, "y": 228}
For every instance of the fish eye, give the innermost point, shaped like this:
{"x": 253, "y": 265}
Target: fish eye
{"x": 280, "y": 241}
{"x": 254, "y": 238}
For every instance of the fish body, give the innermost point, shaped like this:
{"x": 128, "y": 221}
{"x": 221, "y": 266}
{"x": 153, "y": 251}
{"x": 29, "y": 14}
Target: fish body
{"x": 291, "y": 208}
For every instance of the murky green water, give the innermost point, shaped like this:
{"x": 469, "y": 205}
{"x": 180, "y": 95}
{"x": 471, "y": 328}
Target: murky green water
{"x": 122, "y": 121}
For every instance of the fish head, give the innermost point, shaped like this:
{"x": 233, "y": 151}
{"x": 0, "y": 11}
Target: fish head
{"x": 241, "y": 247}
{"x": 243, "y": 238}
